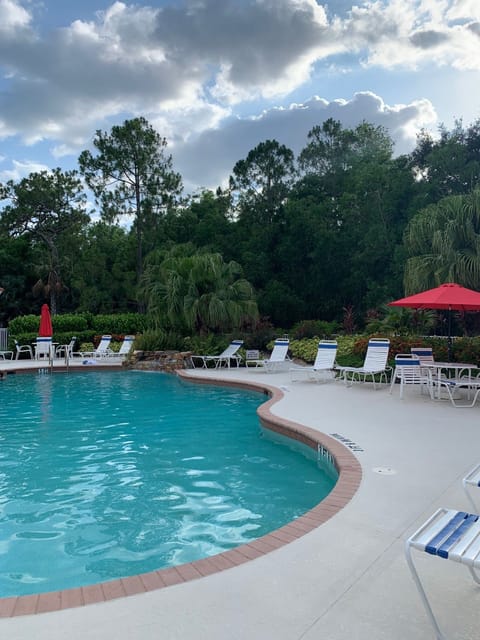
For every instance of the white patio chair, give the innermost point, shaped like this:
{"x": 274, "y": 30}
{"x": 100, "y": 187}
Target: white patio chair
{"x": 375, "y": 364}
{"x": 102, "y": 351}
{"x": 227, "y": 356}
{"x": 408, "y": 371}
{"x": 67, "y": 350}
{"x": 43, "y": 347}
{"x": 450, "y": 535}
{"x": 323, "y": 367}
{"x": 125, "y": 348}
{"x": 278, "y": 359}
{"x": 22, "y": 348}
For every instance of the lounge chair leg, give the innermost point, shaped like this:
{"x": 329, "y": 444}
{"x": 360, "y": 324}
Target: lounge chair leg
{"x": 422, "y": 593}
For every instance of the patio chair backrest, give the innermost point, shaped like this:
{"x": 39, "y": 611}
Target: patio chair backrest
{"x": 377, "y": 354}
{"x": 43, "y": 346}
{"x": 103, "y": 346}
{"x": 232, "y": 349}
{"x": 126, "y": 345}
{"x": 424, "y": 354}
{"x": 407, "y": 367}
{"x": 280, "y": 350}
{"x": 326, "y": 354}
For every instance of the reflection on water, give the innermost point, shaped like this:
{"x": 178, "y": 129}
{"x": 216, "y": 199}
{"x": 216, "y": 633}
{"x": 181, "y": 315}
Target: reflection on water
{"x": 110, "y": 474}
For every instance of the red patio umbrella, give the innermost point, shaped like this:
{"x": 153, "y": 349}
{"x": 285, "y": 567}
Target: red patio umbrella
{"x": 449, "y": 296}
{"x": 45, "y": 329}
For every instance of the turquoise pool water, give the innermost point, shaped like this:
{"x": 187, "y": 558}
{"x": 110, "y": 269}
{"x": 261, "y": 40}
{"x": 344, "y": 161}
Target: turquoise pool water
{"x": 110, "y": 474}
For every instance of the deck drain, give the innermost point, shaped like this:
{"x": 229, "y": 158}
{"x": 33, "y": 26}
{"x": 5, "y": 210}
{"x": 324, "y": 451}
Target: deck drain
{"x": 384, "y": 471}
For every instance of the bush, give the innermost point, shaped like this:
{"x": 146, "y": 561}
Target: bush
{"x": 313, "y": 329}
{"x": 159, "y": 340}
{"x": 120, "y": 323}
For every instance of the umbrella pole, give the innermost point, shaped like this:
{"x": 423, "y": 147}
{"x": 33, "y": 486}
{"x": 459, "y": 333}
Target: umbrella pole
{"x": 449, "y": 339}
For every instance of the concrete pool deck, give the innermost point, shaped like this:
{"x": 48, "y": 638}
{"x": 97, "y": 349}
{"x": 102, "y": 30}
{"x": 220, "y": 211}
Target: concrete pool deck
{"x": 346, "y": 579}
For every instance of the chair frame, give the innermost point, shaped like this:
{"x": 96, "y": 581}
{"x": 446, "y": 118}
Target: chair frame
{"x": 23, "y": 348}
{"x": 66, "y": 350}
{"x": 322, "y": 369}
{"x": 278, "y": 359}
{"x": 451, "y": 535}
{"x": 43, "y": 348}
{"x": 375, "y": 364}
{"x": 125, "y": 347}
{"x": 472, "y": 479}
{"x": 409, "y": 371}
{"x": 225, "y": 358}
{"x": 102, "y": 351}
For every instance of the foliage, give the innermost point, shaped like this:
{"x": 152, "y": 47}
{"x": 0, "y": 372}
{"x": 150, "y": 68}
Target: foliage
{"x": 443, "y": 244}
{"x": 262, "y": 182}
{"x": 132, "y": 175}
{"x": 48, "y": 206}
{"x": 159, "y": 340}
{"x": 313, "y": 329}
{"x": 199, "y": 292}
{"x": 305, "y": 349}
{"x": 121, "y": 323}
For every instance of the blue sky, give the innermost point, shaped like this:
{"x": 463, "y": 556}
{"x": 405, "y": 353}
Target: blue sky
{"x": 216, "y": 77}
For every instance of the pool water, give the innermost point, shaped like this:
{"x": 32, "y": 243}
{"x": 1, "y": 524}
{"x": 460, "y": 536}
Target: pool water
{"x": 110, "y": 474}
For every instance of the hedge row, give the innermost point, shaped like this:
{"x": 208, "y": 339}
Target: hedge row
{"x": 85, "y": 326}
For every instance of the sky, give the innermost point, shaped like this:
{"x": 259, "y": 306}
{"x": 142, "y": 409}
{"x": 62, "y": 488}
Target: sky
{"x": 217, "y": 77}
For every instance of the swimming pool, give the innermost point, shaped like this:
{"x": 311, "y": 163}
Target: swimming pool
{"x": 113, "y": 474}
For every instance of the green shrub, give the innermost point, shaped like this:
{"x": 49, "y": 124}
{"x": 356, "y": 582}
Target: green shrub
{"x": 158, "y": 340}
{"x": 313, "y": 329}
{"x": 120, "y": 323}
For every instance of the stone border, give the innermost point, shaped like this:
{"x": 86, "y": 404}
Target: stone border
{"x": 350, "y": 475}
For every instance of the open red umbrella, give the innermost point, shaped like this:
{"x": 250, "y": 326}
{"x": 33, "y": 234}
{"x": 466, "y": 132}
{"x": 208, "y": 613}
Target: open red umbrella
{"x": 45, "y": 329}
{"x": 449, "y": 296}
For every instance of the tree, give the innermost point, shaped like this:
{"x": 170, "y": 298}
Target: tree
{"x": 449, "y": 164}
{"x": 262, "y": 181}
{"x": 198, "y": 292}
{"x": 103, "y": 277}
{"x": 49, "y": 207}
{"x": 443, "y": 244}
{"x": 132, "y": 175}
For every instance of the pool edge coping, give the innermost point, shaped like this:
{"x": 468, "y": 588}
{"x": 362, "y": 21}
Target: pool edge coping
{"x": 349, "y": 478}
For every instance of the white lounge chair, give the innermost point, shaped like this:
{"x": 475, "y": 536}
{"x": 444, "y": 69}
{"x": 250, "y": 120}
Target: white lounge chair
{"x": 125, "y": 348}
{"x": 227, "y": 356}
{"x": 375, "y": 364}
{"x": 451, "y": 535}
{"x": 103, "y": 350}
{"x": 278, "y": 359}
{"x": 323, "y": 367}
{"x": 409, "y": 371}
{"x": 43, "y": 347}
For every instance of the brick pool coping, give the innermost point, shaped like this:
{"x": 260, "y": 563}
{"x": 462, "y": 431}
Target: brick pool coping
{"x": 349, "y": 478}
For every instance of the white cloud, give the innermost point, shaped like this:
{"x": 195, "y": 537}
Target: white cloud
{"x": 208, "y": 159}
{"x": 12, "y": 17}
{"x": 190, "y": 66}
{"x": 20, "y": 170}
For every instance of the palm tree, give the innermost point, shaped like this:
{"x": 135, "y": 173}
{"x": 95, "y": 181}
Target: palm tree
{"x": 443, "y": 241}
{"x": 197, "y": 292}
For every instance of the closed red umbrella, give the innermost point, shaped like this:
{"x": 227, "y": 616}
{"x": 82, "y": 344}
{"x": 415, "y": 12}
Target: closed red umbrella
{"x": 45, "y": 329}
